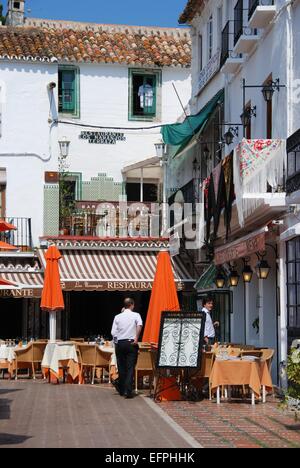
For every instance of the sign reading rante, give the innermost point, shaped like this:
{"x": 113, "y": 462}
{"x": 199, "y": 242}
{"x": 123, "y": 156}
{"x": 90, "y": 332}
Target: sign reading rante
{"x": 102, "y": 138}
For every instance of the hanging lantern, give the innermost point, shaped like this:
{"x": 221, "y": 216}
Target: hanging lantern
{"x": 263, "y": 269}
{"x": 220, "y": 280}
{"x": 234, "y": 278}
{"x": 247, "y": 273}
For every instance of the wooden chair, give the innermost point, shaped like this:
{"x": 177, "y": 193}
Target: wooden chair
{"x": 253, "y": 352}
{"x": 144, "y": 365}
{"x": 93, "y": 358}
{"x": 29, "y": 357}
{"x": 77, "y": 340}
{"x": 208, "y": 359}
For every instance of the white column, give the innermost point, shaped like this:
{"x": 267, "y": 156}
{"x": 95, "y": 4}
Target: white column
{"x": 282, "y": 335}
{"x": 52, "y": 326}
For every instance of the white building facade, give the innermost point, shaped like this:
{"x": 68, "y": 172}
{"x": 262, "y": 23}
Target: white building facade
{"x": 88, "y": 87}
{"x": 244, "y": 48}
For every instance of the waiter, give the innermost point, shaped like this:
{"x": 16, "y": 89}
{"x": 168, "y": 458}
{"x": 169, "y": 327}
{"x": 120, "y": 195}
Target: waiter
{"x": 209, "y": 331}
{"x": 125, "y": 331}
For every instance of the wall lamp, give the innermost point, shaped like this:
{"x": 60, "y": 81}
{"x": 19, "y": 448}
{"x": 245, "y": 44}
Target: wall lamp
{"x": 230, "y": 134}
{"x": 220, "y": 279}
{"x": 247, "y": 271}
{"x": 262, "y": 268}
{"x": 247, "y": 115}
{"x": 234, "y": 277}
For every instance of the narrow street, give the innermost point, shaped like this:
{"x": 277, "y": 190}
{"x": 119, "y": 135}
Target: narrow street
{"x": 39, "y": 415}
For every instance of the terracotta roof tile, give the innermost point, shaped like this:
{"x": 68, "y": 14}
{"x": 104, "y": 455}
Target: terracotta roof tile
{"x": 80, "y": 42}
{"x": 192, "y": 8}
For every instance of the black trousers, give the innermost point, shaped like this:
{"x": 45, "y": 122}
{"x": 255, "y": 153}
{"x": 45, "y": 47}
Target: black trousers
{"x": 127, "y": 354}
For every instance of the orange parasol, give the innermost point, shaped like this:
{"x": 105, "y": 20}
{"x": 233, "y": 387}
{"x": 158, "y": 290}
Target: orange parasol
{"x": 5, "y": 246}
{"x": 52, "y": 296}
{"x": 4, "y": 226}
{"x": 163, "y": 297}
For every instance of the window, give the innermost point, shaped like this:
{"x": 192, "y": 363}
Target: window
{"x": 293, "y": 288}
{"x": 144, "y": 95}
{"x": 220, "y": 26}
{"x": 209, "y": 38}
{"x": 200, "y": 52}
{"x": 17, "y": 5}
{"x": 68, "y": 91}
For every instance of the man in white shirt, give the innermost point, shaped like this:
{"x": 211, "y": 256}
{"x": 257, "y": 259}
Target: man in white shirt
{"x": 209, "y": 330}
{"x": 126, "y": 329}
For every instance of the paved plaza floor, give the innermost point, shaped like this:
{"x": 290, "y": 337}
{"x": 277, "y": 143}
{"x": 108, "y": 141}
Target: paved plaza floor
{"x": 37, "y": 414}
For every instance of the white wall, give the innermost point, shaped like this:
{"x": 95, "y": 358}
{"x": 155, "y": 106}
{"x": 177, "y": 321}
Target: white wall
{"x": 103, "y": 101}
{"x": 25, "y": 129}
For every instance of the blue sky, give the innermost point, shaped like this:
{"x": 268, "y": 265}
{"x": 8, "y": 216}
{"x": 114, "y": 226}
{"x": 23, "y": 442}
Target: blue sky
{"x": 135, "y": 12}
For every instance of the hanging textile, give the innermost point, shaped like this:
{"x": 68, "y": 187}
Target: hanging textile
{"x": 228, "y": 191}
{"x": 257, "y": 163}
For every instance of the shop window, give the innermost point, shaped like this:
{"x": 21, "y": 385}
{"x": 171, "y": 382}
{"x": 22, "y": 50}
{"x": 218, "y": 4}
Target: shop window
{"x": 144, "y": 95}
{"x": 68, "y": 91}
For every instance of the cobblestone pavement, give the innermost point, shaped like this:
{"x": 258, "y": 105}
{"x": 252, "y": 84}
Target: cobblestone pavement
{"x": 236, "y": 424}
{"x": 37, "y": 414}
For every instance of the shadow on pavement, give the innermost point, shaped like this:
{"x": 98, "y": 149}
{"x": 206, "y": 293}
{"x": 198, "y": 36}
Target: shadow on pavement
{"x": 5, "y": 408}
{"x": 12, "y": 439}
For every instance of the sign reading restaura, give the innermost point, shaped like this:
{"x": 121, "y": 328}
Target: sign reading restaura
{"x": 102, "y": 138}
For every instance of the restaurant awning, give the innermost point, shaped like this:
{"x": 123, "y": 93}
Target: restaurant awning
{"x": 206, "y": 280}
{"x": 114, "y": 270}
{"x": 248, "y": 245}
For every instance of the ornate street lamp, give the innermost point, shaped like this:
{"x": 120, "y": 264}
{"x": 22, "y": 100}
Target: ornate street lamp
{"x": 230, "y": 134}
{"x": 64, "y": 146}
{"x": 262, "y": 268}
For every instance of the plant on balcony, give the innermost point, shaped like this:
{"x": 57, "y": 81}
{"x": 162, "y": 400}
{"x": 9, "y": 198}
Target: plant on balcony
{"x": 66, "y": 201}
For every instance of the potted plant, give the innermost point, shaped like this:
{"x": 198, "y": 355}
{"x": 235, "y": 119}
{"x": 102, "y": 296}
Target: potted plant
{"x": 292, "y": 396}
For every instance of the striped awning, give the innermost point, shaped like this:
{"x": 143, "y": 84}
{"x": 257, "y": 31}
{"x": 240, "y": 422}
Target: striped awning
{"x": 24, "y": 279}
{"x": 114, "y": 270}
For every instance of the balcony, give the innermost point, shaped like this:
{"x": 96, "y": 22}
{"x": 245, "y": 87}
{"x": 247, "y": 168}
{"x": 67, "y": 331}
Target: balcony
{"x": 245, "y": 37}
{"x": 113, "y": 219}
{"x": 22, "y": 236}
{"x": 230, "y": 62}
{"x": 261, "y": 13}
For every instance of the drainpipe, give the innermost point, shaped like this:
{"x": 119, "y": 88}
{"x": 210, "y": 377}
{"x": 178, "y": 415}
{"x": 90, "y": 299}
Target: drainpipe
{"x": 290, "y": 70}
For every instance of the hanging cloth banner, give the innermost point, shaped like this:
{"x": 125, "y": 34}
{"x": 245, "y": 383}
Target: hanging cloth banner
{"x": 181, "y": 133}
{"x": 257, "y": 163}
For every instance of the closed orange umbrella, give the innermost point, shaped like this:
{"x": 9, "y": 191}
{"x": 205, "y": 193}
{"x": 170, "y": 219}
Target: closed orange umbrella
{"x": 163, "y": 297}
{"x": 52, "y": 296}
{"x": 4, "y": 226}
{"x": 5, "y": 246}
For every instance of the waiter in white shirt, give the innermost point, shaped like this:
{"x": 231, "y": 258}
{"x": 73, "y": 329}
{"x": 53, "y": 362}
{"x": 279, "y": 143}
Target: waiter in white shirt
{"x": 209, "y": 330}
{"x": 125, "y": 331}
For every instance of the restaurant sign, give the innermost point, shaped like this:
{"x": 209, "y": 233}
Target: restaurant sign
{"x": 20, "y": 293}
{"x": 102, "y": 138}
{"x": 209, "y": 71}
{"x": 240, "y": 249}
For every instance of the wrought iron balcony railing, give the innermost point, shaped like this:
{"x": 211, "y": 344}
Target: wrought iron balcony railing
{"x": 22, "y": 236}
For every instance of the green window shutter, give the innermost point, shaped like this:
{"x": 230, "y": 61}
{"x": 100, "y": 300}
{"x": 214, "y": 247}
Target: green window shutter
{"x": 68, "y": 91}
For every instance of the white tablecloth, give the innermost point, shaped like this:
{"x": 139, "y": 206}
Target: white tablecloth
{"x": 57, "y": 352}
{"x": 7, "y": 353}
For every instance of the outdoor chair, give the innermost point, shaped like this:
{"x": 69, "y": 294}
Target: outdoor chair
{"x": 144, "y": 366}
{"x": 30, "y": 357}
{"x": 77, "y": 340}
{"x": 92, "y": 358}
{"x": 267, "y": 355}
{"x": 253, "y": 352}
